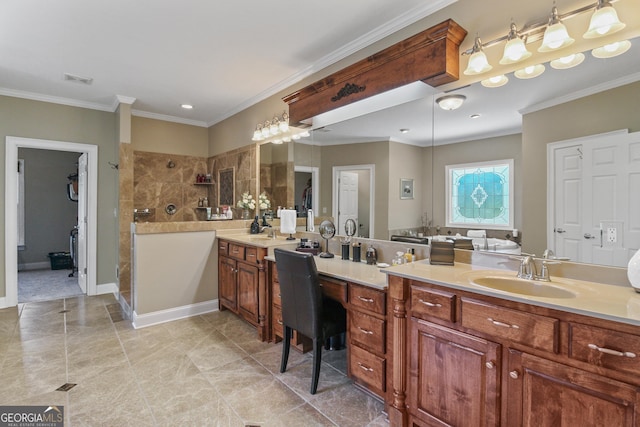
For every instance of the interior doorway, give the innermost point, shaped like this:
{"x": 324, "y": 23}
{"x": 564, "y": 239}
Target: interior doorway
{"x": 353, "y": 196}
{"x": 87, "y": 212}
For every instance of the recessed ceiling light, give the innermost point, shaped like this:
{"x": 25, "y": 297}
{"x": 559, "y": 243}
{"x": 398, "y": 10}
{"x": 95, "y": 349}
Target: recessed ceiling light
{"x": 77, "y": 79}
{"x": 404, "y": 130}
{"x": 187, "y": 106}
{"x": 474, "y": 116}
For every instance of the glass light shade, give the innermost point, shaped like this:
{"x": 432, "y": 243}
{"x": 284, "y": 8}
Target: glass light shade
{"x": 257, "y": 134}
{"x": 495, "y": 81}
{"x": 283, "y": 126}
{"x": 611, "y": 50}
{"x": 555, "y": 37}
{"x": 568, "y": 61}
{"x": 276, "y": 141}
{"x": 295, "y": 137}
{"x": 274, "y": 129}
{"x": 478, "y": 64}
{"x": 604, "y": 21}
{"x": 514, "y": 51}
{"x": 451, "y": 102}
{"x": 530, "y": 71}
{"x": 265, "y": 129}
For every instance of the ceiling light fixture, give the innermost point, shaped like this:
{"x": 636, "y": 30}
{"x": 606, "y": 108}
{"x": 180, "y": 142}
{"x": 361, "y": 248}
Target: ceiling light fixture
{"x": 451, "y": 102}
{"x": 554, "y": 35}
{"x": 404, "y": 130}
{"x": 186, "y": 106}
{"x": 278, "y": 130}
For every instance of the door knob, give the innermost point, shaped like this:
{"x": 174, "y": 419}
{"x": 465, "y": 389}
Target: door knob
{"x": 589, "y": 236}
{"x": 559, "y": 230}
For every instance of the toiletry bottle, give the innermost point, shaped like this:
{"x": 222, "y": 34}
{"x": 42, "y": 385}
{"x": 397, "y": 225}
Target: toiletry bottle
{"x": 407, "y": 255}
{"x": 255, "y": 226}
{"x": 413, "y": 254}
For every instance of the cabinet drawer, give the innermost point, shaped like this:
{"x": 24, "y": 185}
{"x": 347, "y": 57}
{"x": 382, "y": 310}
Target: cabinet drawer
{"x": 367, "y": 298}
{"x": 367, "y": 331}
{"x": 602, "y": 347}
{"x": 532, "y": 330}
{"x": 236, "y": 251}
{"x": 426, "y": 303}
{"x": 251, "y": 254}
{"x": 334, "y": 289}
{"x": 368, "y": 368}
{"x": 223, "y": 247}
{"x": 276, "y": 317}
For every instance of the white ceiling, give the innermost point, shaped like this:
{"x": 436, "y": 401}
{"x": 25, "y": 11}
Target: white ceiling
{"x": 220, "y": 56}
{"x": 223, "y": 57}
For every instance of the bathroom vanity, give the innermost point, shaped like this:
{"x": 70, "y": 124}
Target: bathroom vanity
{"x": 472, "y": 355}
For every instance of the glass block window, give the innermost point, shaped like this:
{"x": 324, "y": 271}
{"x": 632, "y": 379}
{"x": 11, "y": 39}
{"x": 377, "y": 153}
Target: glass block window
{"x": 480, "y": 194}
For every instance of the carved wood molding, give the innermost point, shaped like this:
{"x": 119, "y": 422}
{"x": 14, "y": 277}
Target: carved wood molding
{"x": 431, "y": 56}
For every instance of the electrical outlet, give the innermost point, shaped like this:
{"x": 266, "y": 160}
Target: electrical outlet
{"x": 612, "y": 234}
{"x": 324, "y": 209}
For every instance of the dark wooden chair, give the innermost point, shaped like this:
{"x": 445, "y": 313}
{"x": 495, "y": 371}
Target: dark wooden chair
{"x": 304, "y": 308}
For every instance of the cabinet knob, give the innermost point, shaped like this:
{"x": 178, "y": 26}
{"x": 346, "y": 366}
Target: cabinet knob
{"x": 490, "y": 365}
{"x": 514, "y": 374}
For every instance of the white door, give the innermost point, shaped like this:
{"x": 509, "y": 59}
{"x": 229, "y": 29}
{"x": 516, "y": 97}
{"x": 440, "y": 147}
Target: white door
{"x": 596, "y": 214}
{"x": 347, "y": 199}
{"x": 82, "y": 223}
{"x": 568, "y": 201}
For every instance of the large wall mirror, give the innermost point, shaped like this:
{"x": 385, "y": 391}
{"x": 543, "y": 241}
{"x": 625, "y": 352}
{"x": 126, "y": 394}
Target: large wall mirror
{"x": 363, "y": 158}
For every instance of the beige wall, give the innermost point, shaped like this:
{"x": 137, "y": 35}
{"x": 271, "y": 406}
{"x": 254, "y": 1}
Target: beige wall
{"x": 405, "y": 161}
{"x": 41, "y": 120}
{"x": 158, "y": 136}
{"x": 499, "y": 148}
{"x": 603, "y": 112}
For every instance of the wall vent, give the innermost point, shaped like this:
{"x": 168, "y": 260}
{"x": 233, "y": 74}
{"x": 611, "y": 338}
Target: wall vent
{"x": 78, "y": 79}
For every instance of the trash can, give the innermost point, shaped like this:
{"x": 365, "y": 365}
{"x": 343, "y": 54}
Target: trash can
{"x": 60, "y": 260}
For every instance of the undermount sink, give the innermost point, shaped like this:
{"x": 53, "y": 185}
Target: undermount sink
{"x": 523, "y": 287}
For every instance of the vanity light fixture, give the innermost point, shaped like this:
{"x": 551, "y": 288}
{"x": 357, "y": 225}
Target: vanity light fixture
{"x": 515, "y": 49}
{"x": 554, "y": 35}
{"x": 604, "y": 21}
{"x": 495, "y": 81}
{"x": 530, "y": 71}
{"x": 478, "y": 62}
{"x": 612, "y": 49}
{"x": 451, "y": 102}
{"x": 568, "y": 61}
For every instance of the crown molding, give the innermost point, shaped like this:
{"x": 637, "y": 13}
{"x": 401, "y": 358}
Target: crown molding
{"x": 631, "y": 78}
{"x": 166, "y": 118}
{"x": 409, "y": 17}
{"x": 55, "y": 99}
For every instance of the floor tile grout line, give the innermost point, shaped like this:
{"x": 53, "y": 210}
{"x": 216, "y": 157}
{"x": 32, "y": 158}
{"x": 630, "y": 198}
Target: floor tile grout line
{"x": 133, "y": 372}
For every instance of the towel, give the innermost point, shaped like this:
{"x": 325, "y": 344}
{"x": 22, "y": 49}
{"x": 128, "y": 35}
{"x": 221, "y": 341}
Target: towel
{"x": 310, "y": 226}
{"x": 288, "y": 221}
{"x": 476, "y": 233}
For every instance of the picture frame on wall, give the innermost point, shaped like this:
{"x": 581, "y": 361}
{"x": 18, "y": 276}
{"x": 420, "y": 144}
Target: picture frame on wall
{"x": 226, "y": 187}
{"x": 406, "y": 188}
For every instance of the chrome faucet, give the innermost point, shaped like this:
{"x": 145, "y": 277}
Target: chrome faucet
{"x": 528, "y": 270}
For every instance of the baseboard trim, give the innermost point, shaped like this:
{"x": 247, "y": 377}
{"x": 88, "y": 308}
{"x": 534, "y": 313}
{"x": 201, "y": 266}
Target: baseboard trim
{"x": 3, "y": 302}
{"x": 36, "y": 266}
{"x": 108, "y": 288}
{"x": 149, "y": 319}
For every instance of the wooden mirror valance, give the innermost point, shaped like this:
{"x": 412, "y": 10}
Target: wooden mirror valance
{"x": 431, "y": 56}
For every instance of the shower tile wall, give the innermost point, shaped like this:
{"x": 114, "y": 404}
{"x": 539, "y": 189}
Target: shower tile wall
{"x": 243, "y": 162}
{"x": 157, "y": 185}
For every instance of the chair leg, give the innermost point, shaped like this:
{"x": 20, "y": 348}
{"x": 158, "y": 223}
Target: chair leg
{"x": 317, "y": 358}
{"x": 286, "y": 344}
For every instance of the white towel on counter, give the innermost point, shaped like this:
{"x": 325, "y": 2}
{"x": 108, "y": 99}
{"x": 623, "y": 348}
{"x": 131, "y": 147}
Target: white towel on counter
{"x": 476, "y": 233}
{"x": 288, "y": 221}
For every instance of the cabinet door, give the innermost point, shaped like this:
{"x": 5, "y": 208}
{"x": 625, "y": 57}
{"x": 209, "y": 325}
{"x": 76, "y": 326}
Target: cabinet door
{"x": 248, "y": 292}
{"x": 543, "y": 393}
{"x": 227, "y": 283}
{"x": 453, "y": 377}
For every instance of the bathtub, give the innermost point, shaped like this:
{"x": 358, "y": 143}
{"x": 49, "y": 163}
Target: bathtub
{"x": 495, "y": 245}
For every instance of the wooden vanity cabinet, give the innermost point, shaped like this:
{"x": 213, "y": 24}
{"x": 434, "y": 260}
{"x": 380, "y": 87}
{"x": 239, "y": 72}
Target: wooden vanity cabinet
{"x": 464, "y": 359}
{"x": 242, "y": 283}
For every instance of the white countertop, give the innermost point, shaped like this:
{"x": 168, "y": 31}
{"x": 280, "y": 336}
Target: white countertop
{"x": 605, "y": 301}
{"x": 611, "y": 302}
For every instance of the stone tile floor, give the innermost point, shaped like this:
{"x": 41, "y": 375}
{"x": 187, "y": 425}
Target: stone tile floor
{"x": 208, "y": 370}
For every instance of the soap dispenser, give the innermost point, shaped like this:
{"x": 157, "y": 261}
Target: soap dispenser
{"x": 255, "y": 226}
